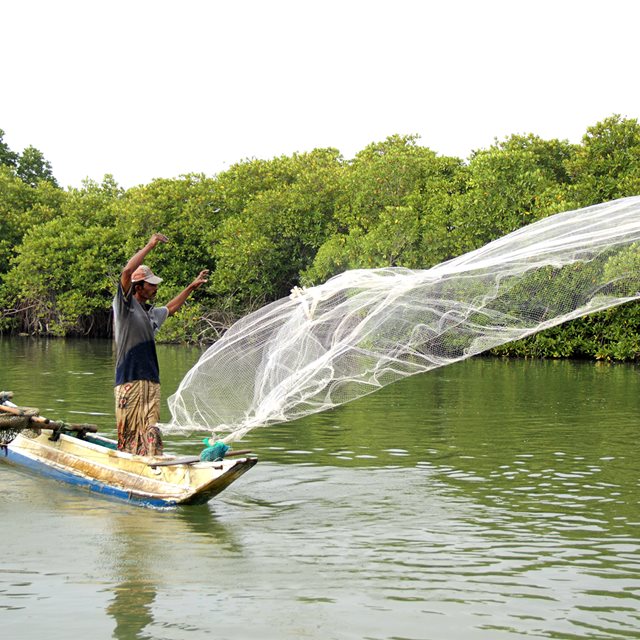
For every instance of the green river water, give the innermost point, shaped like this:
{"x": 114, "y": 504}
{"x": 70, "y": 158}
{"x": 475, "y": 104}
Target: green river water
{"x": 490, "y": 499}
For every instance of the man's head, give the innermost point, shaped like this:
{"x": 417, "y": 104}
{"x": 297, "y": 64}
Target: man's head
{"x": 145, "y": 283}
{"x": 143, "y": 273}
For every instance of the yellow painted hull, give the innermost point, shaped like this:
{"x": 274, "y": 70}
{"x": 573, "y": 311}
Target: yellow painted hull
{"x": 94, "y": 465}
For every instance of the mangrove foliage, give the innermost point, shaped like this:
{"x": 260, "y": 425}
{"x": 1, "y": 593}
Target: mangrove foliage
{"x": 265, "y": 226}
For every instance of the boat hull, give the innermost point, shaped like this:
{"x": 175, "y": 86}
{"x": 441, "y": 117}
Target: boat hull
{"x": 96, "y": 466}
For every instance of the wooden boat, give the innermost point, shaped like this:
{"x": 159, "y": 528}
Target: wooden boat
{"x": 77, "y": 455}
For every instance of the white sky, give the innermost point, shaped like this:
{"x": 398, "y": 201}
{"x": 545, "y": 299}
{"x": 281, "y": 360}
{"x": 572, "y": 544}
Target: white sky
{"x": 156, "y": 88}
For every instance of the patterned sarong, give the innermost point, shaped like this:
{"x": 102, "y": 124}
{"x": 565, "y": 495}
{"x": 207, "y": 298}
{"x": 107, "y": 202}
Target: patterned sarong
{"x": 137, "y": 415}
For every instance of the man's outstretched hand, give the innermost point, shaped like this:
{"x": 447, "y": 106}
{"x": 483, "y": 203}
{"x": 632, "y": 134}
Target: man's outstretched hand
{"x": 157, "y": 238}
{"x": 203, "y": 277}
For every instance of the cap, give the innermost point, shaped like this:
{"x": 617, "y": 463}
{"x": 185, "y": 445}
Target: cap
{"x": 144, "y": 273}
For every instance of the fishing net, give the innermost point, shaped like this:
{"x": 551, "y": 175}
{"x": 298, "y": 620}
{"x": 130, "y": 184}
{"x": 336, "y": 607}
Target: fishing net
{"x": 12, "y": 425}
{"x": 364, "y": 329}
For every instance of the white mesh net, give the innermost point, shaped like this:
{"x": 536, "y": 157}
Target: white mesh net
{"x": 364, "y": 329}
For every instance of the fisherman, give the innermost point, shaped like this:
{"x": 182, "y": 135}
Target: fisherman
{"x": 136, "y": 321}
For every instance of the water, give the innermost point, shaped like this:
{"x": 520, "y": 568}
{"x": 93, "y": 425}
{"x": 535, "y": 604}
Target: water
{"x": 490, "y": 499}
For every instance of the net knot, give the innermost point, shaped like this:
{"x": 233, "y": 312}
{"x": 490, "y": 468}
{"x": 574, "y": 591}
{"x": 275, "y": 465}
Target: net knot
{"x": 297, "y": 292}
{"x": 301, "y": 294}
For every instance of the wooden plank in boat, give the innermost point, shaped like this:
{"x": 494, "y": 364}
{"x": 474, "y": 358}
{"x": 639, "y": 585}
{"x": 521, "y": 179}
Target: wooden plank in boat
{"x": 174, "y": 461}
{"x": 194, "y": 459}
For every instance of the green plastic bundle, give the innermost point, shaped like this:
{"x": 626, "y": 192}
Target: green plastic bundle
{"x": 214, "y": 452}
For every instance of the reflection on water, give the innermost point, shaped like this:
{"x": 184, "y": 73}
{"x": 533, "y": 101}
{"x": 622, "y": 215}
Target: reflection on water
{"x": 490, "y": 499}
{"x": 138, "y": 546}
{"x": 131, "y": 608}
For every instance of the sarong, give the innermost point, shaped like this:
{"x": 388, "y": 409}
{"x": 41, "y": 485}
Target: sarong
{"x": 137, "y": 415}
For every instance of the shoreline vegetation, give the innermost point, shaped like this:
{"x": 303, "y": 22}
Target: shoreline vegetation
{"x": 265, "y": 226}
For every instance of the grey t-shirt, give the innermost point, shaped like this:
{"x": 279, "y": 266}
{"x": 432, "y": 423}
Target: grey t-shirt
{"x": 135, "y": 330}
